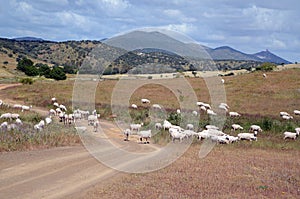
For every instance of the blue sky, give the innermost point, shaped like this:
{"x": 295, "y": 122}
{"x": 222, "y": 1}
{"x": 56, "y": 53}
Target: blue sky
{"x": 249, "y": 26}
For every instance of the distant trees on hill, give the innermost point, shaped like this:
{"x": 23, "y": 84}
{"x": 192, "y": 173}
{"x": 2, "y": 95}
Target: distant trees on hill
{"x": 27, "y": 66}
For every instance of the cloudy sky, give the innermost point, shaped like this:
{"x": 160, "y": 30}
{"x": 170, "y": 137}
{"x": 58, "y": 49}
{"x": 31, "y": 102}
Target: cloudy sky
{"x": 248, "y": 26}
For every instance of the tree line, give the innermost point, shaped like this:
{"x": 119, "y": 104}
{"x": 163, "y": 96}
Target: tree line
{"x": 29, "y": 68}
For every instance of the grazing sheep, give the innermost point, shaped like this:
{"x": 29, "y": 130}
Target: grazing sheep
{"x": 248, "y": 136}
{"x": 158, "y": 126}
{"x": 6, "y": 116}
{"x": 26, "y": 108}
{"x": 19, "y": 122}
{"x": 207, "y": 106}
{"x": 4, "y": 126}
{"x": 296, "y": 112}
{"x": 235, "y": 127}
{"x": 297, "y": 130}
{"x": 145, "y": 101}
{"x": 219, "y": 139}
{"x": 156, "y": 106}
{"x": 134, "y": 106}
{"x": 63, "y": 107}
{"x": 145, "y": 135}
{"x": 195, "y": 113}
{"x": 210, "y": 112}
{"x": 15, "y": 115}
{"x": 199, "y": 103}
{"x": 282, "y": 113}
{"x": 127, "y": 132}
{"x": 203, "y": 135}
{"x": 232, "y": 139}
{"x": 52, "y": 112}
{"x": 1, "y": 102}
{"x": 222, "y": 81}
{"x": 77, "y": 116}
{"x": 255, "y": 128}
{"x": 136, "y": 127}
{"x": 17, "y": 106}
{"x": 290, "y": 135}
{"x": 39, "y": 126}
{"x": 61, "y": 116}
{"x": 53, "y": 99}
{"x": 215, "y": 132}
{"x": 203, "y": 108}
{"x": 176, "y": 134}
{"x": 56, "y": 104}
{"x": 189, "y": 126}
{"x": 264, "y": 75}
{"x": 287, "y": 117}
{"x": 223, "y": 107}
{"x": 211, "y": 127}
{"x": 48, "y": 120}
{"x": 234, "y": 114}
{"x": 167, "y": 125}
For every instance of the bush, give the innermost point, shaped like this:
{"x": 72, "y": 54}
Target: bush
{"x": 23, "y": 63}
{"x": 57, "y": 73}
{"x": 26, "y": 80}
{"x": 266, "y": 66}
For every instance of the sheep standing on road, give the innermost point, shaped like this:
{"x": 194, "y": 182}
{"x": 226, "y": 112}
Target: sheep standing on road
{"x": 127, "y": 132}
{"x": 145, "y": 135}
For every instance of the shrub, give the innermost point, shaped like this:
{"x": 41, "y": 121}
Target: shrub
{"x": 26, "y": 80}
{"x": 266, "y": 66}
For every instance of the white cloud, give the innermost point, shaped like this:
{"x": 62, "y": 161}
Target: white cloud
{"x": 182, "y": 28}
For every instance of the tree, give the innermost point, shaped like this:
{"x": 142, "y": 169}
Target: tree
{"x": 69, "y": 69}
{"x": 31, "y": 71}
{"x": 266, "y": 66}
{"x": 57, "y": 73}
{"x": 22, "y": 63}
{"x": 44, "y": 70}
{"x": 194, "y": 73}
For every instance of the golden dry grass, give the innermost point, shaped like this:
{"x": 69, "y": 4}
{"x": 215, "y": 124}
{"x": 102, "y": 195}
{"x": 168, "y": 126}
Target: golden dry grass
{"x": 224, "y": 173}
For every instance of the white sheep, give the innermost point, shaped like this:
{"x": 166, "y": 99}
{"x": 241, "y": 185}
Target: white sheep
{"x": 158, "y": 126}
{"x": 127, "y": 132}
{"x": 222, "y": 81}
{"x": 223, "y": 107}
{"x": 145, "y": 135}
{"x": 287, "y": 117}
{"x": 282, "y": 113}
{"x": 6, "y": 116}
{"x": 92, "y": 119}
{"x": 176, "y": 134}
{"x": 52, "y": 112}
{"x": 4, "y": 125}
{"x": 203, "y": 108}
{"x": 26, "y": 108}
{"x": 209, "y": 126}
{"x": 297, "y": 130}
{"x": 17, "y": 106}
{"x": 19, "y": 122}
{"x": 290, "y": 135}
{"x": 156, "y": 106}
{"x": 189, "y": 126}
{"x": 15, "y": 115}
{"x": 145, "y": 101}
{"x": 296, "y": 112}
{"x": 195, "y": 113}
{"x": 199, "y": 103}
{"x": 248, "y": 136}
{"x": 264, "y": 75}
{"x": 56, "y": 104}
{"x": 234, "y": 114}
{"x": 136, "y": 127}
{"x": 224, "y": 104}
{"x": 178, "y": 111}
{"x": 235, "y": 127}
{"x": 167, "y": 125}
{"x": 1, "y": 102}
{"x": 134, "y": 106}
{"x": 53, "y": 99}
{"x": 203, "y": 135}
{"x": 232, "y": 139}
{"x": 219, "y": 139}
{"x": 63, "y": 107}
{"x": 210, "y": 112}
{"x": 48, "y": 120}
{"x": 96, "y": 125}
{"x": 255, "y": 128}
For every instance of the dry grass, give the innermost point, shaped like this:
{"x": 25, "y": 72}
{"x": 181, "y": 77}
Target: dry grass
{"x": 224, "y": 173}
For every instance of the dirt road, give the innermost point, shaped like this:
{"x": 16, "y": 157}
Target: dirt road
{"x": 58, "y": 172}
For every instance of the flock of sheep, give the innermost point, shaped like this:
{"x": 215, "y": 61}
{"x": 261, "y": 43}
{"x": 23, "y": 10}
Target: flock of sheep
{"x": 13, "y": 121}
{"x": 210, "y": 132}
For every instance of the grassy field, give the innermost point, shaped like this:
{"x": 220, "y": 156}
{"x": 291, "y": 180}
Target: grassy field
{"x": 259, "y": 100}
{"x": 224, "y": 173}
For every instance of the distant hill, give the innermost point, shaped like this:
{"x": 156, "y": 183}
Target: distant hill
{"x": 151, "y": 52}
{"x": 28, "y": 39}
